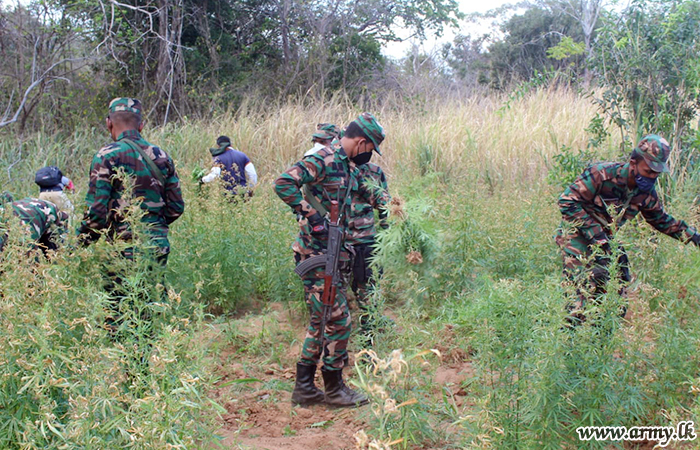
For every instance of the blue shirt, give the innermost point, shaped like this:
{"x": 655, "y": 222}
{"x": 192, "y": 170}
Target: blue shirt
{"x": 233, "y": 165}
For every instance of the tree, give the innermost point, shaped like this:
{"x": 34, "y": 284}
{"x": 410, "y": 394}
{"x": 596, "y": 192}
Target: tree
{"x": 39, "y": 48}
{"x": 587, "y": 14}
{"x": 523, "y": 52}
{"x": 466, "y": 58}
{"x": 647, "y": 61}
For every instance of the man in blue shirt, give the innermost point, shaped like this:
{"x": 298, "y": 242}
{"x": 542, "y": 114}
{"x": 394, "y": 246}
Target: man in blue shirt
{"x": 234, "y": 167}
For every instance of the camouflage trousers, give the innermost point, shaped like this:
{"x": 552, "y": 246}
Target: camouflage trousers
{"x": 121, "y": 297}
{"x": 362, "y": 276}
{"x": 338, "y": 326}
{"x": 588, "y": 274}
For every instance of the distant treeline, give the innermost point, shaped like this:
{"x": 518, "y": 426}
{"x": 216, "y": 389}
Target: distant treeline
{"x": 64, "y": 59}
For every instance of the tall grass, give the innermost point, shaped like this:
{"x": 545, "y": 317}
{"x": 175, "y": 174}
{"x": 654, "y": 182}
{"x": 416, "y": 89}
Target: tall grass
{"x": 471, "y": 136}
{"x": 479, "y": 208}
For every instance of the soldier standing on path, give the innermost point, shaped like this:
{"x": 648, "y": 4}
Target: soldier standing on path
{"x": 361, "y": 232}
{"x": 624, "y": 190}
{"x": 329, "y": 174}
{"x": 152, "y": 175}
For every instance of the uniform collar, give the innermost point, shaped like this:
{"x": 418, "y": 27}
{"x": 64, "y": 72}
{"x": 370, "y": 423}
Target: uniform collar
{"x": 129, "y": 134}
{"x": 625, "y": 173}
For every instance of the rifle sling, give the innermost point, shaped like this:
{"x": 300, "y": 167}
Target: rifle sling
{"x": 153, "y": 168}
{"x": 311, "y": 200}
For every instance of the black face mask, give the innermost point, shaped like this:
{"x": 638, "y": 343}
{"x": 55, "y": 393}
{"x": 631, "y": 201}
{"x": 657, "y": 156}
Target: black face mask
{"x": 644, "y": 184}
{"x": 362, "y": 158}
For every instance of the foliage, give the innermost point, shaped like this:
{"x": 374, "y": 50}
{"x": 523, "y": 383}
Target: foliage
{"x": 239, "y": 251}
{"x": 567, "y": 165}
{"x": 525, "y": 51}
{"x": 477, "y": 206}
{"x": 189, "y": 58}
{"x": 566, "y": 48}
{"x": 646, "y": 60}
{"x": 394, "y": 385}
{"x": 68, "y": 380}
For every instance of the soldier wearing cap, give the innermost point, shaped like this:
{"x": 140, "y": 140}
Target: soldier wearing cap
{"x": 154, "y": 178}
{"x": 308, "y": 187}
{"x": 623, "y": 190}
{"x": 326, "y": 134}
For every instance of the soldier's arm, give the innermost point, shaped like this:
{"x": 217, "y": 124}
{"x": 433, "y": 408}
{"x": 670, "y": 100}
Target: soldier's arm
{"x": 57, "y": 226}
{"x": 653, "y": 212}
{"x": 174, "y": 203}
{"x": 376, "y": 192}
{"x": 583, "y": 190}
{"x": 288, "y": 185}
{"x": 373, "y": 188}
{"x": 99, "y": 193}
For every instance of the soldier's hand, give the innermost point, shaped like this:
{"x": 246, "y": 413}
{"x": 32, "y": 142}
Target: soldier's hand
{"x": 696, "y": 239}
{"x": 601, "y": 239}
{"x": 318, "y": 225}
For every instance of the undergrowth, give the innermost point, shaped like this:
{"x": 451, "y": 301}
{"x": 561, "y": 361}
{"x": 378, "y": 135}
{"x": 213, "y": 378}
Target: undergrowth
{"x": 470, "y": 269}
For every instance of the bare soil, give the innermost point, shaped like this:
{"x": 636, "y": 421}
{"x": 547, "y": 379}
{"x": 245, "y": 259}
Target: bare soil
{"x": 259, "y": 414}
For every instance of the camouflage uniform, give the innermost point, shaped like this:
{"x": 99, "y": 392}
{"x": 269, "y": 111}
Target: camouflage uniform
{"x": 586, "y": 208}
{"x": 107, "y": 203}
{"x": 162, "y": 204}
{"x": 330, "y": 175}
{"x": 42, "y": 221}
{"x": 361, "y": 227}
{"x": 325, "y": 131}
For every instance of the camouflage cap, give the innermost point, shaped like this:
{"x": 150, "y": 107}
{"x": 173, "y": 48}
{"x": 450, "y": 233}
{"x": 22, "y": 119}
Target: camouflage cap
{"x": 655, "y": 151}
{"x": 326, "y": 131}
{"x": 125, "y": 104}
{"x": 371, "y": 128}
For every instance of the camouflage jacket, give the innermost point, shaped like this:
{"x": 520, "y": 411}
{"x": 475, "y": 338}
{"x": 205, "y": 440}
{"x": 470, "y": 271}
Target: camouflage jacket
{"x": 40, "y": 218}
{"x": 601, "y": 186}
{"x": 162, "y": 205}
{"x": 330, "y": 175}
{"x": 372, "y": 193}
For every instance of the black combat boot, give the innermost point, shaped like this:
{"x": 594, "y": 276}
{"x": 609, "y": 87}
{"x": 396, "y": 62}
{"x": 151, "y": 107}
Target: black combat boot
{"x": 305, "y": 391}
{"x": 337, "y": 393}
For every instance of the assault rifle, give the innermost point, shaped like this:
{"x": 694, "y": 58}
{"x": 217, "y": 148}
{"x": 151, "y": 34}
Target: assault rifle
{"x": 329, "y": 259}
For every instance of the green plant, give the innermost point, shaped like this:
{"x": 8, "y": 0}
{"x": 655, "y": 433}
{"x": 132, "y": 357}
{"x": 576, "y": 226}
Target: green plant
{"x": 567, "y": 165}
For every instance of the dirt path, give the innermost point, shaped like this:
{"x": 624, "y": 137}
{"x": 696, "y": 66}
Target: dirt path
{"x": 255, "y": 389}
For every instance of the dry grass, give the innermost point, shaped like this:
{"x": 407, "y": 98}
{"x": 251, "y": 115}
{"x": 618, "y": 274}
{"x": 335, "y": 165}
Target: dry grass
{"x": 482, "y": 134}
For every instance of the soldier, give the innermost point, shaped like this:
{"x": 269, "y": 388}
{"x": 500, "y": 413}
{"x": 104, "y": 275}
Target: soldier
{"x": 361, "y": 232}
{"x": 329, "y": 174}
{"x": 625, "y": 189}
{"x": 152, "y": 172}
{"x": 43, "y": 221}
{"x": 238, "y": 172}
{"x": 326, "y": 134}
{"x": 155, "y": 183}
